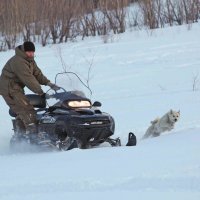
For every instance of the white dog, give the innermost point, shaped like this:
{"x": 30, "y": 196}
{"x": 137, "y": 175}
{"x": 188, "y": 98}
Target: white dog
{"x": 160, "y": 125}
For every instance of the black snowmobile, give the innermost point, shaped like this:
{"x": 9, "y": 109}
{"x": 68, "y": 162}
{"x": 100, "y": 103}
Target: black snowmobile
{"x": 72, "y": 120}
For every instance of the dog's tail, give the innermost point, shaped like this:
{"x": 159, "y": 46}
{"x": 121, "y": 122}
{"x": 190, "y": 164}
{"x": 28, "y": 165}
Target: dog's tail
{"x": 155, "y": 120}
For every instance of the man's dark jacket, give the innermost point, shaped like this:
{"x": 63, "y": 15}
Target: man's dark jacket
{"x": 21, "y": 71}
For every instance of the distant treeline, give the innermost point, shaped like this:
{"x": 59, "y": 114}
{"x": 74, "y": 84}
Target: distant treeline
{"x": 57, "y": 21}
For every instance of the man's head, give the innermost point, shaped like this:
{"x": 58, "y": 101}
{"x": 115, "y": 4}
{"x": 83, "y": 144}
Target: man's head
{"x": 29, "y": 49}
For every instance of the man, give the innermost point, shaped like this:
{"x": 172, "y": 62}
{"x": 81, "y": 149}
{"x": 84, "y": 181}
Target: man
{"x": 20, "y": 71}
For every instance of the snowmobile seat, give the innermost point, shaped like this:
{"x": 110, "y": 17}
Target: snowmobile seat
{"x": 36, "y": 100}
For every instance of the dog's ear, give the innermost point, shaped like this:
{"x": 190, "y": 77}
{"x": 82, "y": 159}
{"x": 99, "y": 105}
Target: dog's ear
{"x": 171, "y": 111}
{"x": 179, "y": 111}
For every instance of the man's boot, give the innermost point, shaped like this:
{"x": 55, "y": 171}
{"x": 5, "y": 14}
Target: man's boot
{"x": 31, "y": 133}
{"x": 34, "y": 136}
{"x": 19, "y": 127}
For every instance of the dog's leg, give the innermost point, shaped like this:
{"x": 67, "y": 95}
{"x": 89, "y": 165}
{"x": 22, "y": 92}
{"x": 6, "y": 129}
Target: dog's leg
{"x": 155, "y": 134}
{"x": 148, "y": 133}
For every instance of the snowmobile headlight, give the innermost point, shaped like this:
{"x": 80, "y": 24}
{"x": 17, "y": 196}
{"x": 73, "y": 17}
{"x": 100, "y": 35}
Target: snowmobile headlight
{"x": 79, "y": 104}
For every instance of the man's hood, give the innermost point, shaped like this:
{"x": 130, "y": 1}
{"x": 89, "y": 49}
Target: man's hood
{"x": 19, "y": 51}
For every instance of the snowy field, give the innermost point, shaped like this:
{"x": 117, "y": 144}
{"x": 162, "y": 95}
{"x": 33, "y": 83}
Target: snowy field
{"x": 137, "y": 76}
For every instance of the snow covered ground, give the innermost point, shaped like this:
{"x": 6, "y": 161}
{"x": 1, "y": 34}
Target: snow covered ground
{"x": 137, "y": 76}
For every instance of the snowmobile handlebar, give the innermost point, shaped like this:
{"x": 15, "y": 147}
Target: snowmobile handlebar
{"x": 54, "y": 96}
{"x": 57, "y": 95}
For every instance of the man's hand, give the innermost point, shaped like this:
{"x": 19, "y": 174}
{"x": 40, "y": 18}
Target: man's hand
{"x": 53, "y": 86}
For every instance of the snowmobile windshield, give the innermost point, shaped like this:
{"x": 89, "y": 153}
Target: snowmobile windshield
{"x": 72, "y": 82}
{"x": 71, "y": 86}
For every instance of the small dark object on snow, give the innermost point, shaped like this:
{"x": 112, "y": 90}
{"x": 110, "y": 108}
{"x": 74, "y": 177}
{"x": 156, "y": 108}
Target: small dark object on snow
{"x": 132, "y": 140}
